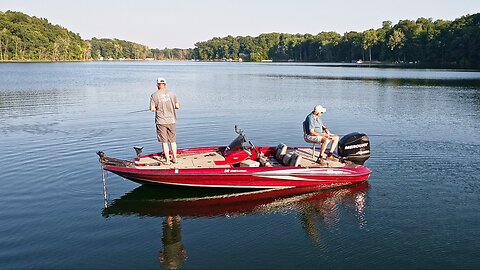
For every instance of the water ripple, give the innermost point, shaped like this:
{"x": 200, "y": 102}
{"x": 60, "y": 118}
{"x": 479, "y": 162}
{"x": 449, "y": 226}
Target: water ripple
{"x": 421, "y": 205}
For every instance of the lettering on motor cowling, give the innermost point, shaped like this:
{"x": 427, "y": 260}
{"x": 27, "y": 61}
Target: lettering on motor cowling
{"x": 355, "y": 146}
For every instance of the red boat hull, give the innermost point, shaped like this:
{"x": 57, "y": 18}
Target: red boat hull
{"x": 227, "y": 175}
{"x": 246, "y": 177}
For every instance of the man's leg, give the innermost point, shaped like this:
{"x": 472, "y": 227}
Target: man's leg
{"x": 174, "y": 150}
{"x": 166, "y": 151}
{"x": 324, "y": 143}
{"x": 172, "y": 138}
{"x": 335, "y": 139}
{"x": 163, "y": 139}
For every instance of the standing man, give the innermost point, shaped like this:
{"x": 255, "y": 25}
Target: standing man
{"x": 316, "y": 132}
{"x": 164, "y": 103}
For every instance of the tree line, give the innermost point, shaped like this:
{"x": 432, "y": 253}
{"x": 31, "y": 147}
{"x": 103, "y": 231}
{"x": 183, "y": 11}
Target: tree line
{"x": 423, "y": 41}
{"x": 439, "y": 43}
{"x": 106, "y": 48}
{"x": 27, "y": 38}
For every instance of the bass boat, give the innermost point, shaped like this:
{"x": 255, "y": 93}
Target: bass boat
{"x": 241, "y": 164}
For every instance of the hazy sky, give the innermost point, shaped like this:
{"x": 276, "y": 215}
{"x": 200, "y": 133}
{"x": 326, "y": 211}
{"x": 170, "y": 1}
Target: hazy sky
{"x": 177, "y": 23}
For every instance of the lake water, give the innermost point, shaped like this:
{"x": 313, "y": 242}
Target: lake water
{"x": 420, "y": 209}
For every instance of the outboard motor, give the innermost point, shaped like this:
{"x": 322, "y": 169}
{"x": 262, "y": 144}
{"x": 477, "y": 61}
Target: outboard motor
{"x": 354, "y": 147}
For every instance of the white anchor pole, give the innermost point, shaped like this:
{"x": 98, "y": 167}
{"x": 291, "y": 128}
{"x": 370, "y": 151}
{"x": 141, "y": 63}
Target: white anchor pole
{"x": 105, "y": 194}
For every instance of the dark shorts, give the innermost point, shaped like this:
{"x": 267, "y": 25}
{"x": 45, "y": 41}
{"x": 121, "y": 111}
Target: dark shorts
{"x": 166, "y": 133}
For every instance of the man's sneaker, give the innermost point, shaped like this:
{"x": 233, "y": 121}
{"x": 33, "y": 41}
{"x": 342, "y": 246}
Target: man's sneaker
{"x": 321, "y": 161}
{"x": 331, "y": 157}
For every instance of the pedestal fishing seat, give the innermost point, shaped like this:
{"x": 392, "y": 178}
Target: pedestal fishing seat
{"x": 313, "y": 144}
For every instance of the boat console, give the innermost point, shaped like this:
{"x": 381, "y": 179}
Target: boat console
{"x": 238, "y": 148}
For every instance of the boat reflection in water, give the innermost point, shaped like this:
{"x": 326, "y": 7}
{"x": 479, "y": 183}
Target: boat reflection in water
{"x": 174, "y": 203}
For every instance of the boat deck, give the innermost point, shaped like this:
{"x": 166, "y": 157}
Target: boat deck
{"x": 207, "y": 160}
{"x": 309, "y": 161}
{"x": 200, "y": 160}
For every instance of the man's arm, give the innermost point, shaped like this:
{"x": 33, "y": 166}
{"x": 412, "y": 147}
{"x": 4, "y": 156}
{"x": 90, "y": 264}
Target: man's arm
{"x": 175, "y": 102}
{"x": 153, "y": 107}
{"x": 325, "y": 129}
{"x": 314, "y": 133}
{"x": 327, "y": 133}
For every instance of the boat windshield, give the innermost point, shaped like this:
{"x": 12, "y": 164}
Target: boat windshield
{"x": 237, "y": 144}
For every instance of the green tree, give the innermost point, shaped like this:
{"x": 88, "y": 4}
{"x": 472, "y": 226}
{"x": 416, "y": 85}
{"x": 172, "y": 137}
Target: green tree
{"x": 29, "y": 38}
{"x": 396, "y": 41}
{"x": 370, "y": 39}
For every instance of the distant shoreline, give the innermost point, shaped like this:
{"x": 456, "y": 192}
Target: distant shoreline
{"x": 297, "y": 63}
{"x": 420, "y": 43}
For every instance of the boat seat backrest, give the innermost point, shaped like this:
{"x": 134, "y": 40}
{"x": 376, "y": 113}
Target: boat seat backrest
{"x": 286, "y": 159}
{"x": 295, "y": 160}
{"x": 281, "y": 151}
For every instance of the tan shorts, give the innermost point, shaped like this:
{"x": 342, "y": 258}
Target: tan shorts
{"x": 319, "y": 139}
{"x": 166, "y": 133}
{"x": 316, "y": 139}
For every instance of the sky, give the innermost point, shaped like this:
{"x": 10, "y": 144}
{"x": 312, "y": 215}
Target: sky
{"x": 182, "y": 23}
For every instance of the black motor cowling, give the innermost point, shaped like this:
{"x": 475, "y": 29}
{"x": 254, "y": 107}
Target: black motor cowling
{"x": 354, "y": 147}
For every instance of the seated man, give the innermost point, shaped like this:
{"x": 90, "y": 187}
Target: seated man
{"x": 315, "y": 131}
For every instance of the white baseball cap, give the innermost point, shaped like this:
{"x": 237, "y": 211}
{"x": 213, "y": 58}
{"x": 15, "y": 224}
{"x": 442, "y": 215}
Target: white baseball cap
{"x": 161, "y": 80}
{"x": 319, "y": 108}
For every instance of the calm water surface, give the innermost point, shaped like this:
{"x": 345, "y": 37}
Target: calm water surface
{"x": 420, "y": 210}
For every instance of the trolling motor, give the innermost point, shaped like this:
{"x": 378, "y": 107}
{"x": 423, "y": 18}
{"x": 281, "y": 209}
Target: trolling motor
{"x": 354, "y": 147}
{"x": 104, "y": 160}
{"x": 138, "y": 150}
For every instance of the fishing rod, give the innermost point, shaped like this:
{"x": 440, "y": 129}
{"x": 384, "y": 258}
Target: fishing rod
{"x": 340, "y": 135}
{"x": 372, "y": 135}
{"x": 144, "y": 110}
